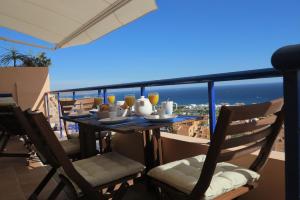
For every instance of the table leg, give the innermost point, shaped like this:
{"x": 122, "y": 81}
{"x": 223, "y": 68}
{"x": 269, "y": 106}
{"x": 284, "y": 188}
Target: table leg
{"x": 148, "y": 150}
{"x": 153, "y": 154}
{"x": 152, "y": 149}
{"x": 157, "y": 148}
{"x": 87, "y": 141}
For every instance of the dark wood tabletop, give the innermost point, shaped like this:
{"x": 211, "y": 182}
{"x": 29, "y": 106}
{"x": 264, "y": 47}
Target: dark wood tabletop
{"x": 133, "y": 124}
{"x": 90, "y": 124}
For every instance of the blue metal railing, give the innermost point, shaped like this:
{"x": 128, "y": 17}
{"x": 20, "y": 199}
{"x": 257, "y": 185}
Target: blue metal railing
{"x": 209, "y": 79}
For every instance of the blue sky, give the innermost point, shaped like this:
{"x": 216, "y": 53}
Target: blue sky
{"x": 181, "y": 38}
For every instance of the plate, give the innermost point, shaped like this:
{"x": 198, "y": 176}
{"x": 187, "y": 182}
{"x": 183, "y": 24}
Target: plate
{"x": 84, "y": 114}
{"x": 93, "y": 110}
{"x": 156, "y": 118}
{"x": 115, "y": 120}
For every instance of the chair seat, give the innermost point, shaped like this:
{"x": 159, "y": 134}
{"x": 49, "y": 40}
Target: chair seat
{"x": 103, "y": 169}
{"x": 184, "y": 174}
{"x": 71, "y": 146}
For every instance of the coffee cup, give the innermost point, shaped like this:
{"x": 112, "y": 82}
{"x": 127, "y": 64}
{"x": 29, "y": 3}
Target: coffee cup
{"x": 169, "y": 107}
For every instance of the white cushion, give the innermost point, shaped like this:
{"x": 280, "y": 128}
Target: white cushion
{"x": 71, "y": 146}
{"x": 184, "y": 174}
{"x": 102, "y": 169}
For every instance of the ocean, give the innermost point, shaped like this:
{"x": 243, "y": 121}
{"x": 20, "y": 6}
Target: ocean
{"x": 231, "y": 94}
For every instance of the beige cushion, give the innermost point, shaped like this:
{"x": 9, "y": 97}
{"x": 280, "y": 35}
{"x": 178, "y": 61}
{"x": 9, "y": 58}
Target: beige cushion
{"x": 101, "y": 169}
{"x": 71, "y": 146}
{"x": 5, "y": 101}
{"x": 184, "y": 174}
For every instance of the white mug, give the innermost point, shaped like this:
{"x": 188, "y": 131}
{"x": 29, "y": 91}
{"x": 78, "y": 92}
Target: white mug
{"x": 168, "y": 106}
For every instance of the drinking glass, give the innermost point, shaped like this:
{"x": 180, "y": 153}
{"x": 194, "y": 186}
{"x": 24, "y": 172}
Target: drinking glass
{"x": 98, "y": 101}
{"x": 130, "y": 100}
{"x": 153, "y": 98}
{"x": 111, "y": 98}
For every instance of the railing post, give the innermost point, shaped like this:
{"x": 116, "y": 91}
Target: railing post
{"x": 211, "y": 106}
{"x": 46, "y": 102}
{"x": 287, "y": 60}
{"x": 105, "y": 96}
{"x": 99, "y": 93}
{"x": 59, "y": 114}
{"x": 143, "y": 91}
{"x": 73, "y": 94}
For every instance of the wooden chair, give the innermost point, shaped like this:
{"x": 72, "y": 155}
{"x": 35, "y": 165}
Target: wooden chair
{"x": 240, "y": 130}
{"x": 9, "y": 127}
{"x": 88, "y": 177}
{"x": 65, "y": 107}
{"x": 42, "y": 150}
{"x": 87, "y": 104}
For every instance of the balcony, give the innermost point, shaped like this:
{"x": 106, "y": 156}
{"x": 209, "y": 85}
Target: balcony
{"x": 174, "y": 147}
{"x": 82, "y": 164}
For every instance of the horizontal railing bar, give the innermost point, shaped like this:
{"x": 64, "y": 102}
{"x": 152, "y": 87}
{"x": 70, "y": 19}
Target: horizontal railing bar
{"x": 230, "y": 76}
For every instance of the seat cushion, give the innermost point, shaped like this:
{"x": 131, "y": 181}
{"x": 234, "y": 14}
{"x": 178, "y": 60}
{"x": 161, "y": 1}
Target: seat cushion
{"x": 184, "y": 174}
{"x": 71, "y": 146}
{"x": 102, "y": 169}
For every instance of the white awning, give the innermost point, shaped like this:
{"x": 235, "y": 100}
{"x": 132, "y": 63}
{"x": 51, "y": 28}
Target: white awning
{"x": 70, "y": 22}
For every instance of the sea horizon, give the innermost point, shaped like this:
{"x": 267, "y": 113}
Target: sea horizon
{"x": 225, "y": 94}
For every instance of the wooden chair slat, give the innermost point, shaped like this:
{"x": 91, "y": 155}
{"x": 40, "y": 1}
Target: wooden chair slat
{"x": 243, "y": 127}
{"x": 66, "y": 107}
{"x": 87, "y": 103}
{"x": 67, "y": 102}
{"x": 246, "y": 139}
{"x": 234, "y": 193}
{"x": 255, "y": 110}
{"x": 240, "y": 152}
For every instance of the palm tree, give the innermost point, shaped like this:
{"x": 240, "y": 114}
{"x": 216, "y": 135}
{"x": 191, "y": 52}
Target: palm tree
{"x": 41, "y": 60}
{"x": 12, "y": 55}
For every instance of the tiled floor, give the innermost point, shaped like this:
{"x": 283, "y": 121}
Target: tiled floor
{"x": 18, "y": 178}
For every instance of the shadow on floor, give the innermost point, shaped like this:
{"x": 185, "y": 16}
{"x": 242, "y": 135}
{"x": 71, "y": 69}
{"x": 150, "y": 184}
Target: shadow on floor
{"x": 19, "y": 177}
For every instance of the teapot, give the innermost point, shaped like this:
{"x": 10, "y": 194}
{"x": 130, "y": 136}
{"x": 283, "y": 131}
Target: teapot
{"x": 143, "y": 106}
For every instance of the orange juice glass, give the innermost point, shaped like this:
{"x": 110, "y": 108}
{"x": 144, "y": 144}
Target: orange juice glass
{"x": 98, "y": 101}
{"x": 111, "y": 98}
{"x": 153, "y": 98}
{"x": 130, "y": 100}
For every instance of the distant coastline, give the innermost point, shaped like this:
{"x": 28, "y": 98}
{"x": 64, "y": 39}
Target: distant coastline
{"x": 228, "y": 94}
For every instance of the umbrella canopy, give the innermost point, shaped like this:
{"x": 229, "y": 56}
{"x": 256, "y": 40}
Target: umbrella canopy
{"x": 67, "y": 23}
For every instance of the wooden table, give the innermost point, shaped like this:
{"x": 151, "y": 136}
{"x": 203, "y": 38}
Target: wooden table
{"x": 150, "y": 130}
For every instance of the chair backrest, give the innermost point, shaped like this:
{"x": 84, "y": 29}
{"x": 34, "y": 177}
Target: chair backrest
{"x": 87, "y": 103}
{"x": 241, "y": 130}
{"x": 8, "y": 122}
{"x": 54, "y": 145}
{"x": 35, "y": 137}
{"x": 66, "y": 106}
